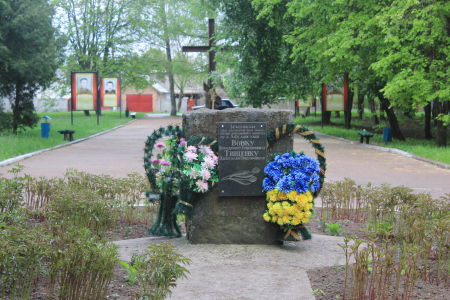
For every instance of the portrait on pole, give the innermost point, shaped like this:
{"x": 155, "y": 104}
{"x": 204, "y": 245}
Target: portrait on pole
{"x": 84, "y": 91}
{"x": 335, "y": 95}
{"x": 110, "y": 92}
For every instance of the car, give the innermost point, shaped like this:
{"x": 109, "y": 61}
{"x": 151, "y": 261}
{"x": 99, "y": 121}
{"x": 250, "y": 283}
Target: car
{"x": 227, "y": 103}
{"x": 224, "y": 104}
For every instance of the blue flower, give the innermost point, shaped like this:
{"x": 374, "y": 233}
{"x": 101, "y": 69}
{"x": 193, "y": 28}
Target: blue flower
{"x": 291, "y": 171}
{"x": 273, "y": 171}
{"x": 286, "y": 184}
{"x": 268, "y": 184}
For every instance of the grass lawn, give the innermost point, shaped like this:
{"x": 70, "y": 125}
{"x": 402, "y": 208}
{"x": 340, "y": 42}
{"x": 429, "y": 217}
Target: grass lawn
{"x": 30, "y": 140}
{"x": 413, "y": 145}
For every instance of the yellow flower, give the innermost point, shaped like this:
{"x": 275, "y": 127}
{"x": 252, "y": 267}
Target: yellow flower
{"x": 301, "y": 199}
{"x": 286, "y": 204}
{"x": 274, "y": 219}
{"x": 308, "y": 206}
{"x": 291, "y": 195}
{"x": 295, "y": 221}
{"x": 280, "y": 222}
{"x": 308, "y": 214}
{"x": 305, "y": 220}
{"x": 286, "y": 219}
{"x": 266, "y": 217}
{"x": 269, "y": 205}
{"x": 309, "y": 196}
{"x": 281, "y": 196}
{"x": 272, "y": 195}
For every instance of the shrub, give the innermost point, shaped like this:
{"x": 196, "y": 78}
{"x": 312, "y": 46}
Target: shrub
{"x": 77, "y": 206}
{"x": 82, "y": 264}
{"x": 38, "y": 192}
{"x": 6, "y": 120}
{"x": 10, "y": 198}
{"x": 158, "y": 268}
{"x": 334, "y": 228}
{"x": 21, "y": 252}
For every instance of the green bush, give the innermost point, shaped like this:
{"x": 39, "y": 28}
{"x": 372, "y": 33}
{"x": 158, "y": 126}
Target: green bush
{"x": 6, "y": 119}
{"x": 158, "y": 268}
{"x": 21, "y": 253}
{"x": 334, "y": 228}
{"x": 81, "y": 207}
{"x": 82, "y": 264}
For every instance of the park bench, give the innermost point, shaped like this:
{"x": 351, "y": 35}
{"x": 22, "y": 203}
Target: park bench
{"x": 68, "y": 134}
{"x": 364, "y": 134}
{"x": 133, "y": 115}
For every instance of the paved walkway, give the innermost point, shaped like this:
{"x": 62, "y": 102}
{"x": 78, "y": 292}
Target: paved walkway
{"x": 116, "y": 153}
{"x": 365, "y": 165}
{"x": 247, "y": 271}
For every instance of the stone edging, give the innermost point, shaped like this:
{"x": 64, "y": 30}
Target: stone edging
{"x": 15, "y": 159}
{"x": 391, "y": 150}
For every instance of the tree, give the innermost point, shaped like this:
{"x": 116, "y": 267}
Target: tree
{"x": 416, "y": 58}
{"x": 186, "y": 71}
{"x": 97, "y": 31}
{"x": 262, "y": 69}
{"x": 337, "y": 38}
{"x": 28, "y": 55}
{"x": 163, "y": 23}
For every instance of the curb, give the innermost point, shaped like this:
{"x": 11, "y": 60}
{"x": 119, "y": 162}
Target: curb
{"x": 391, "y": 150}
{"x": 15, "y": 159}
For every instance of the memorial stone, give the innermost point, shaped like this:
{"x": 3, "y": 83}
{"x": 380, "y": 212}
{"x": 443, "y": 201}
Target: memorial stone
{"x": 235, "y": 215}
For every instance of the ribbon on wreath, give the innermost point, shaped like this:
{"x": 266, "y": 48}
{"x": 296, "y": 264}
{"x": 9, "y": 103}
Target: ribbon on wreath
{"x": 293, "y": 233}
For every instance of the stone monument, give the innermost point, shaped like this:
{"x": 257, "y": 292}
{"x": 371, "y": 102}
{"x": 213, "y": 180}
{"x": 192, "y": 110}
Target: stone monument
{"x": 231, "y": 213}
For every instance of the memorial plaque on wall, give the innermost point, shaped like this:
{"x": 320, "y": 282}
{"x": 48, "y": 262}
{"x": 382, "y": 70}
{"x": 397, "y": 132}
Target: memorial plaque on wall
{"x": 242, "y": 158}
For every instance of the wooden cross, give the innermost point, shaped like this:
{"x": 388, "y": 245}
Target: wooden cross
{"x": 211, "y": 56}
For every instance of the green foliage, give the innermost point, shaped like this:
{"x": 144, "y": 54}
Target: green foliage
{"x": 263, "y": 69}
{"x": 76, "y": 205}
{"x": 21, "y": 251}
{"x": 5, "y": 121}
{"x": 81, "y": 263}
{"x": 333, "y": 228}
{"x": 132, "y": 272}
{"x": 28, "y": 55}
{"x": 158, "y": 268}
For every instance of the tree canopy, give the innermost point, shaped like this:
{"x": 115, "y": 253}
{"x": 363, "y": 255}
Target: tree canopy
{"x": 28, "y": 55}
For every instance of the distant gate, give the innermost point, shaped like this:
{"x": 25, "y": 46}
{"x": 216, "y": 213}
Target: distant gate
{"x": 140, "y": 102}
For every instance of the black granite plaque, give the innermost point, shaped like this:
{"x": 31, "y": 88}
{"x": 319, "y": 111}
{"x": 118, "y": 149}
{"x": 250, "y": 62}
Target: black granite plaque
{"x": 242, "y": 158}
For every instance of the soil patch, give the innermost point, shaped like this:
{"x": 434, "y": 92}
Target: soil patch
{"x": 328, "y": 283}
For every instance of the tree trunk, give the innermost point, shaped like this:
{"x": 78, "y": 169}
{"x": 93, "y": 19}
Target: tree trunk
{"x": 326, "y": 117}
{"x": 16, "y": 107}
{"x": 434, "y": 111}
{"x": 393, "y": 122}
{"x": 373, "y": 111}
{"x": 348, "y": 111}
{"x": 427, "y": 128}
{"x": 441, "y": 130}
{"x": 180, "y": 102}
{"x": 360, "y": 105}
{"x": 173, "y": 103}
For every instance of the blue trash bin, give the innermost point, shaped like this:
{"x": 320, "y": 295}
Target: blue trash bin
{"x": 387, "y": 135}
{"x": 45, "y": 130}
